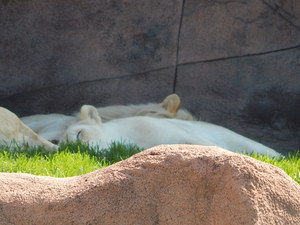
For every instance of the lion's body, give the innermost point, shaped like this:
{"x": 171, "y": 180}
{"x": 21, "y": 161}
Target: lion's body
{"x": 14, "y": 131}
{"x": 147, "y": 132}
{"x": 53, "y": 126}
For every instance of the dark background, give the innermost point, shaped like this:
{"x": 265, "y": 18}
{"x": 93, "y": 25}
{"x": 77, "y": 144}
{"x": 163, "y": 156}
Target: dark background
{"x": 233, "y": 63}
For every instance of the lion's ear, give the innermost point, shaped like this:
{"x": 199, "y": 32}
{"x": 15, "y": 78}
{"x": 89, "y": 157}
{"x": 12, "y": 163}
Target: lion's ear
{"x": 171, "y": 103}
{"x": 89, "y": 112}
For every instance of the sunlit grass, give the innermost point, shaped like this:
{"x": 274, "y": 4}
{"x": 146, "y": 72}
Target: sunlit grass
{"x": 60, "y": 164}
{"x": 73, "y": 159}
{"x": 290, "y": 164}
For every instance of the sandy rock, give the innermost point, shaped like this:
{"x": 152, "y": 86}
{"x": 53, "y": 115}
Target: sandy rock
{"x": 179, "y": 184}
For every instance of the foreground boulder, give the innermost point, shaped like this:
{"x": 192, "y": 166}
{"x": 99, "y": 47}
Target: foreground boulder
{"x": 172, "y": 184}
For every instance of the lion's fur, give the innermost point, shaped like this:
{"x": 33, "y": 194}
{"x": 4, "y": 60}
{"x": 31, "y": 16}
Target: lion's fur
{"x": 168, "y": 108}
{"x": 53, "y": 126}
{"x": 150, "y": 131}
{"x": 14, "y": 131}
{"x": 145, "y": 125}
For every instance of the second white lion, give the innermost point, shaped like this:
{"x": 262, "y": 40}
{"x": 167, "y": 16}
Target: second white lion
{"x": 147, "y": 132}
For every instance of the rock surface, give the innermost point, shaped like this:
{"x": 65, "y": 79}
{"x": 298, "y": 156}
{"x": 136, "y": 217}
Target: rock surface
{"x": 179, "y": 184}
{"x": 235, "y": 63}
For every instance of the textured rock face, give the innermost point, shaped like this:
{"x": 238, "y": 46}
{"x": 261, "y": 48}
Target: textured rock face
{"x": 97, "y": 47}
{"x": 177, "y": 184}
{"x": 235, "y": 63}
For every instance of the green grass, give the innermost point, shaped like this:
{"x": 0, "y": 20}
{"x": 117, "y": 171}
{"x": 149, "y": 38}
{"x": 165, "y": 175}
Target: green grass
{"x": 73, "y": 159}
{"x": 60, "y": 164}
{"x": 290, "y": 164}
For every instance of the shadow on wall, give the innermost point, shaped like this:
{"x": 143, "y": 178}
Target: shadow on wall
{"x": 276, "y": 108}
{"x": 221, "y": 58}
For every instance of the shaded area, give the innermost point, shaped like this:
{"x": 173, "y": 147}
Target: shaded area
{"x": 228, "y": 60}
{"x": 276, "y": 108}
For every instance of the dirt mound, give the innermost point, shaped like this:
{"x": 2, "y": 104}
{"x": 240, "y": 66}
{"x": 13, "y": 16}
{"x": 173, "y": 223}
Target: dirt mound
{"x": 172, "y": 184}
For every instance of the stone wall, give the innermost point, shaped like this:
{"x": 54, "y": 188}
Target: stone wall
{"x": 234, "y": 63}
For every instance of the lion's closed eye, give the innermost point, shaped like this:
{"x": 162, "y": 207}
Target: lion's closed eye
{"x": 78, "y": 134}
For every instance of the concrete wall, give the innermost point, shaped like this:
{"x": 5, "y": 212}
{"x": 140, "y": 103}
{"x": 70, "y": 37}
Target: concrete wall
{"x": 234, "y": 63}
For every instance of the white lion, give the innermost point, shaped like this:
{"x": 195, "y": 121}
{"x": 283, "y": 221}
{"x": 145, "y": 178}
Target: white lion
{"x": 146, "y": 132}
{"x": 49, "y": 126}
{"x": 14, "y": 132}
{"x": 53, "y": 126}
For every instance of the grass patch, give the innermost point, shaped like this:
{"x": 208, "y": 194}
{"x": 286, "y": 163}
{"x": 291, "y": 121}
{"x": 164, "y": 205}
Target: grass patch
{"x": 73, "y": 159}
{"x": 60, "y": 164}
{"x": 115, "y": 153}
{"x": 290, "y": 164}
